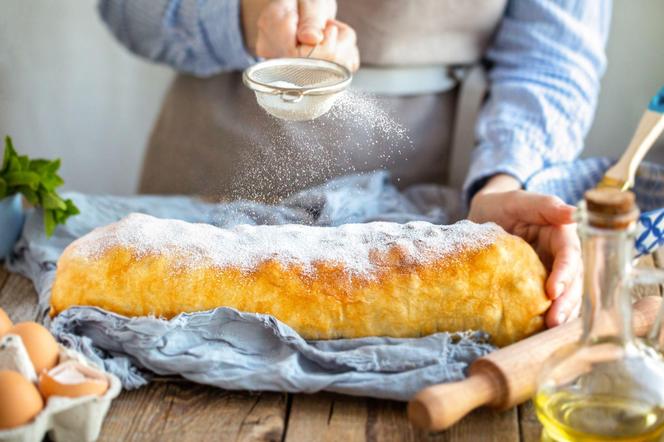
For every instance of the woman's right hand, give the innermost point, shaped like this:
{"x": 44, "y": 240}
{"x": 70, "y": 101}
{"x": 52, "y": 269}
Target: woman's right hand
{"x": 292, "y": 28}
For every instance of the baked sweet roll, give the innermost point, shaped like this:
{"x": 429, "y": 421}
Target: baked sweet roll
{"x": 374, "y": 279}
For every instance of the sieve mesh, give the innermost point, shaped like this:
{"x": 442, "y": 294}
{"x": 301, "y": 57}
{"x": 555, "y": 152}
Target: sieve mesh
{"x": 309, "y": 75}
{"x": 303, "y": 76}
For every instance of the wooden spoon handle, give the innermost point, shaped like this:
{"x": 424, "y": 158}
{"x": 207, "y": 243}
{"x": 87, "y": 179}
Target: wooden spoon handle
{"x": 649, "y": 129}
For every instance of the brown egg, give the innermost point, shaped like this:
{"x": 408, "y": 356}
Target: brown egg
{"x": 72, "y": 379}
{"x": 5, "y": 322}
{"x": 20, "y": 401}
{"x": 40, "y": 344}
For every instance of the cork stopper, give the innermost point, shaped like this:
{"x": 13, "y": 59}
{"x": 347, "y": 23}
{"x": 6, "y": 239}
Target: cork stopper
{"x": 611, "y": 208}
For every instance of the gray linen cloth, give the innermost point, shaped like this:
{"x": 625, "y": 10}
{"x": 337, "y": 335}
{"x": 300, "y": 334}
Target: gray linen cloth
{"x": 239, "y": 350}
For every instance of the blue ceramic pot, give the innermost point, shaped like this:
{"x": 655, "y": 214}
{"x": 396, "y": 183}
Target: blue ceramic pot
{"x": 11, "y": 223}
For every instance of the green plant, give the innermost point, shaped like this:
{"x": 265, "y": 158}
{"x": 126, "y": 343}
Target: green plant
{"x": 36, "y": 180}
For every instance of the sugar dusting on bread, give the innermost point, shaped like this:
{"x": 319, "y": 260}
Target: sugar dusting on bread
{"x": 244, "y": 247}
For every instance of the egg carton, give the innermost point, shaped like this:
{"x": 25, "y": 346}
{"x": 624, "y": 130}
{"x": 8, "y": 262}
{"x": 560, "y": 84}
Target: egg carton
{"x": 63, "y": 418}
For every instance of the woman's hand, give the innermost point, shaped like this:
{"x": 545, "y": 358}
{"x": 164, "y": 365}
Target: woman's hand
{"x": 546, "y": 222}
{"x": 292, "y": 28}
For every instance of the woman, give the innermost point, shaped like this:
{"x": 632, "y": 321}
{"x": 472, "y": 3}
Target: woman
{"x": 544, "y": 58}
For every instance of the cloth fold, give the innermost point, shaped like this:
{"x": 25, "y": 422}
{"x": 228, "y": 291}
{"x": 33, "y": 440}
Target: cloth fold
{"x": 239, "y": 350}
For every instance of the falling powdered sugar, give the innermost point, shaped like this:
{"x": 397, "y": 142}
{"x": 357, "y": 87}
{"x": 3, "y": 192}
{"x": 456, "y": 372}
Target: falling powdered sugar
{"x": 358, "y": 134}
{"x": 353, "y": 247}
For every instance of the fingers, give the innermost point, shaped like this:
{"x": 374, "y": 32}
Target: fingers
{"x": 325, "y": 50}
{"x": 314, "y": 15}
{"x": 518, "y": 207}
{"x": 540, "y": 209}
{"x": 565, "y": 247}
{"x": 566, "y": 306}
{"x": 331, "y": 35}
{"x": 277, "y": 28}
{"x": 348, "y": 54}
{"x": 339, "y": 45}
{"x": 564, "y": 284}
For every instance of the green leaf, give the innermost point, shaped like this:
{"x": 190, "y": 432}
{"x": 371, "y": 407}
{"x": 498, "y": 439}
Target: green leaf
{"x": 52, "y": 201}
{"x": 52, "y": 182}
{"x": 71, "y": 208}
{"x": 54, "y": 166}
{"x": 59, "y": 216}
{"x": 49, "y": 223}
{"x": 24, "y": 161}
{"x": 3, "y": 188}
{"x": 39, "y": 166}
{"x": 9, "y": 153}
{"x": 14, "y": 165}
{"x": 29, "y": 194}
{"x": 23, "y": 178}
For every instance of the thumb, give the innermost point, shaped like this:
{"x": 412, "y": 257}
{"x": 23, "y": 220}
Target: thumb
{"x": 313, "y": 16}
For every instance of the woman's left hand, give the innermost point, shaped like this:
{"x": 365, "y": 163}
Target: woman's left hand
{"x": 547, "y": 223}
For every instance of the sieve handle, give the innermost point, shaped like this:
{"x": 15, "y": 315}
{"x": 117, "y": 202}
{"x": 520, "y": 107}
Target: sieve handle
{"x": 311, "y": 51}
{"x": 291, "y": 96}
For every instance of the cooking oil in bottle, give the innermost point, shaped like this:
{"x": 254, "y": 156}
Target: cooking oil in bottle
{"x": 566, "y": 416}
{"x": 607, "y": 386}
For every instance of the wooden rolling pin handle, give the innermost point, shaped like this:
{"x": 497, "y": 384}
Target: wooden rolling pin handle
{"x": 507, "y": 376}
{"x": 431, "y": 409}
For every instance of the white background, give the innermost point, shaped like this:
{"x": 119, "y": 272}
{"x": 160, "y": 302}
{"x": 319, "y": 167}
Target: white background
{"x": 69, "y": 90}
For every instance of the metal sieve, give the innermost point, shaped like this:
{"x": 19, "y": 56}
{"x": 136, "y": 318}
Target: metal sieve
{"x": 297, "y": 89}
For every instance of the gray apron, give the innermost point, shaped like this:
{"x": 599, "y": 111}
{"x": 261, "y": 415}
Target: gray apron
{"x": 212, "y": 138}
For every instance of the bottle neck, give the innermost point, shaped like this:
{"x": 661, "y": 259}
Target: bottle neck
{"x": 607, "y": 314}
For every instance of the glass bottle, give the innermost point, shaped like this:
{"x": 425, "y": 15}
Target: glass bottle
{"x": 607, "y": 386}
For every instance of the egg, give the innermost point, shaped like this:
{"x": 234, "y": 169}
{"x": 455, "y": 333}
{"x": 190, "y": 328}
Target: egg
{"x": 5, "y": 322}
{"x": 20, "y": 401}
{"x": 40, "y": 344}
{"x": 72, "y": 379}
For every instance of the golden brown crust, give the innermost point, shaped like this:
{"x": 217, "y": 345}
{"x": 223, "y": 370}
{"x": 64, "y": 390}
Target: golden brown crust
{"x": 498, "y": 287}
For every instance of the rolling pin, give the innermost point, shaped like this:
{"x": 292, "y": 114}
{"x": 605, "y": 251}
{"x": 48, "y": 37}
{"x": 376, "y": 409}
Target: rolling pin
{"x": 507, "y": 377}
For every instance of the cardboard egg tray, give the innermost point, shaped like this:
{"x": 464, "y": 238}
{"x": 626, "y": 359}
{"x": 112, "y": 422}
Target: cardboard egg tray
{"x": 65, "y": 419}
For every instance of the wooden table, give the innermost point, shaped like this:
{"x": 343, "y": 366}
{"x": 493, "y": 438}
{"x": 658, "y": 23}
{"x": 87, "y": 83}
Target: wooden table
{"x": 177, "y": 410}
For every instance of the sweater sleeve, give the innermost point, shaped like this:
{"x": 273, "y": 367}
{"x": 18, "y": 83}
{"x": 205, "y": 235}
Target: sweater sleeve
{"x": 200, "y": 37}
{"x": 546, "y": 62}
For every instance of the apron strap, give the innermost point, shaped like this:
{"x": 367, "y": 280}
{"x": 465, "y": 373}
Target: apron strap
{"x": 473, "y": 88}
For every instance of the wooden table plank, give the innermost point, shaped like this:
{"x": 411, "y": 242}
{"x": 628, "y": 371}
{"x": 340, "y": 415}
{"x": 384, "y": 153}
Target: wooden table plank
{"x": 18, "y": 298}
{"x": 4, "y": 275}
{"x": 530, "y": 430}
{"x": 329, "y": 417}
{"x": 326, "y": 417}
{"x": 183, "y": 411}
{"x": 484, "y": 425}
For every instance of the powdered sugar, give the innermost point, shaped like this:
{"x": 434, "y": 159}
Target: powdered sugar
{"x": 285, "y": 84}
{"x": 354, "y": 246}
{"x": 359, "y": 134}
